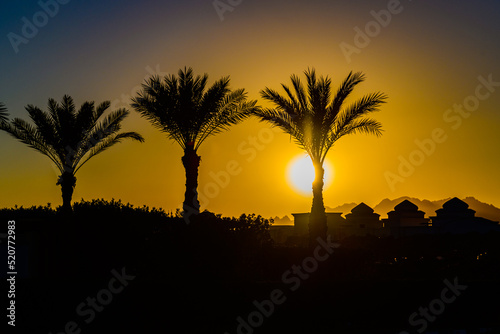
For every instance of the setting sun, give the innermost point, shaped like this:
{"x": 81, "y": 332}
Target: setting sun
{"x": 300, "y": 174}
{"x": 266, "y": 166}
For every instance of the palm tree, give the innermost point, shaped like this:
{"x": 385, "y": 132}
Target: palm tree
{"x": 316, "y": 119}
{"x": 68, "y": 137}
{"x": 188, "y": 113}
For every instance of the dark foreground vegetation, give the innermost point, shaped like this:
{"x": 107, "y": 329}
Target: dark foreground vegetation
{"x": 218, "y": 275}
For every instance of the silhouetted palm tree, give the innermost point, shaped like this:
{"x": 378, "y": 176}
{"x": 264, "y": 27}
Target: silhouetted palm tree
{"x": 316, "y": 120}
{"x": 187, "y": 113}
{"x": 69, "y": 137}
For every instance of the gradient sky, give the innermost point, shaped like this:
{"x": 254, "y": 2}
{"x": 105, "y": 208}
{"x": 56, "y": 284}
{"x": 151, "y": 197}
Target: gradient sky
{"x": 428, "y": 57}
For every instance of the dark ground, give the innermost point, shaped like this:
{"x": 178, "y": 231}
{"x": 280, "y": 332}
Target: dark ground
{"x": 200, "y": 277}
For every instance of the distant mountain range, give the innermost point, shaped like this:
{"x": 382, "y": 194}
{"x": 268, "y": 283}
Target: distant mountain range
{"x": 283, "y": 221}
{"x": 429, "y": 207}
{"x": 482, "y": 209}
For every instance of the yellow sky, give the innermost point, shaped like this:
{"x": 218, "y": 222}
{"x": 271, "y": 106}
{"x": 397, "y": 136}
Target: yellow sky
{"x": 424, "y": 68}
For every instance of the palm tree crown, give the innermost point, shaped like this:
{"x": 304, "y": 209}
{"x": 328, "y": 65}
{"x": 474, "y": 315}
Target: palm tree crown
{"x": 316, "y": 119}
{"x": 69, "y": 137}
{"x": 188, "y": 112}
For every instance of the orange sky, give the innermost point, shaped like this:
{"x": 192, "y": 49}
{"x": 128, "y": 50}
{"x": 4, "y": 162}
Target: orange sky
{"x": 427, "y": 59}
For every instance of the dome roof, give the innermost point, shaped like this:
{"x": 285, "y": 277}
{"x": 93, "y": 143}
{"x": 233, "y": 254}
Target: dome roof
{"x": 362, "y": 208}
{"x": 455, "y": 204}
{"x": 406, "y": 205}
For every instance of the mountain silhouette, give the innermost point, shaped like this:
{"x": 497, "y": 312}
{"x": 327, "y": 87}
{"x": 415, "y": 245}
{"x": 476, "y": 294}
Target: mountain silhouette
{"x": 482, "y": 209}
{"x": 282, "y": 221}
{"x": 344, "y": 208}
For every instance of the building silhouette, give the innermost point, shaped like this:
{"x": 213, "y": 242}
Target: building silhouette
{"x": 406, "y": 219}
{"x": 361, "y": 221}
{"x": 455, "y": 217}
{"x": 301, "y": 225}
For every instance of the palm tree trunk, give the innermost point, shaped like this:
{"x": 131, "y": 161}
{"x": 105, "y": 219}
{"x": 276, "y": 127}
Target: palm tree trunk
{"x": 67, "y": 181}
{"x": 191, "y": 162}
{"x": 317, "y": 218}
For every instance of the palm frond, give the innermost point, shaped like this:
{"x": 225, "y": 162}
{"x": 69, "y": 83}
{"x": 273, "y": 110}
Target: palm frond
{"x": 284, "y": 121}
{"x": 107, "y": 142}
{"x": 365, "y": 125}
{"x": 290, "y": 106}
{"x": 29, "y": 135}
{"x": 229, "y": 109}
{"x": 53, "y": 107}
{"x": 44, "y": 125}
{"x": 108, "y": 127}
{"x": 299, "y": 92}
{"x": 158, "y": 103}
{"x": 292, "y": 100}
{"x": 148, "y": 102}
{"x": 4, "y": 115}
{"x": 367, "y": 104}
{"x": 66, "y": 114}
{"x": 213, "y": 106}
{"x": 112, "y": 122}
{"x": 340, "y": 97}
{"x": 85, "y": 118}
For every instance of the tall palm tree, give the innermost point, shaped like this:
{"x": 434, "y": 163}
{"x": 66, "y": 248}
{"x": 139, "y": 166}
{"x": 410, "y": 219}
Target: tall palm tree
{"x": 189, "y": 113}
{"x": 316, "y": 119}
{"x": 69, "y": 137}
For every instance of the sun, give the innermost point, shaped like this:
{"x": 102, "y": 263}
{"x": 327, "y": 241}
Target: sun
{"x": 300, "y": 174}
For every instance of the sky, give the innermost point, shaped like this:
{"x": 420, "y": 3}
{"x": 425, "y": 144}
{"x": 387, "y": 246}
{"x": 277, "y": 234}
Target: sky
{"x": 436, "y": 61}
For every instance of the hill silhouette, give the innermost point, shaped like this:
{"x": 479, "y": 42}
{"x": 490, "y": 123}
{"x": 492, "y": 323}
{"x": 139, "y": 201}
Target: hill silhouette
{"x": 482, "y": 209}
{"x": 344, "y": 208}
{"x": 282, "y": 221}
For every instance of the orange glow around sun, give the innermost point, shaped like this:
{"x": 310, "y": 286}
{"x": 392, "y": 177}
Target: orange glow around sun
{"x": 300, "y": 174}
